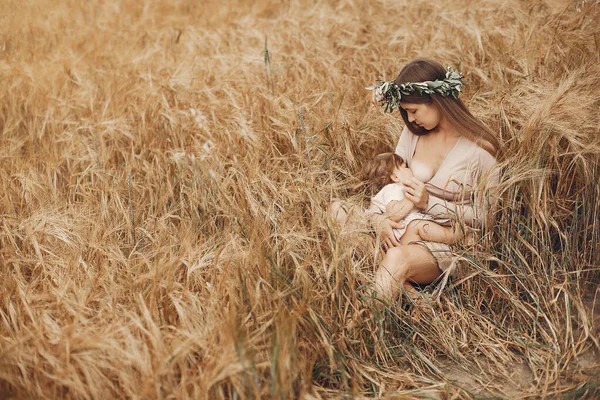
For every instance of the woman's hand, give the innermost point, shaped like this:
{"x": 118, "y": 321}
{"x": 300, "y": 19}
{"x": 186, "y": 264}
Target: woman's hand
{"x": 383, "y": 226}
{"x": 415, "y": 191}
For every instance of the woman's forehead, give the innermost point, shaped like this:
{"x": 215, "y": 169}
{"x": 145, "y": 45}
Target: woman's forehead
{"x": 409, "y": 105}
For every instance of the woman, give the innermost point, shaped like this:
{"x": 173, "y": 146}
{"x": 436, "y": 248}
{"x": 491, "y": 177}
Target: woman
{"x": 450, "y": 153}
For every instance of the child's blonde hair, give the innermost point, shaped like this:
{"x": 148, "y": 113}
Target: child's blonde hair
{"x": 377, "y": 172}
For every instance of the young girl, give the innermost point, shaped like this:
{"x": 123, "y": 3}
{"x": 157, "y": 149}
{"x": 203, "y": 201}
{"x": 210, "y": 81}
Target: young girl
{"x": 386, "y": 172}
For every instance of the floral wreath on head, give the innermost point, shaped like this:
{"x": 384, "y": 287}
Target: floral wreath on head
{"x": 390, "y": 95}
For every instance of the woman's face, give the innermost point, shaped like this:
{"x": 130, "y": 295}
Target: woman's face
{"x": 427, "y": 116}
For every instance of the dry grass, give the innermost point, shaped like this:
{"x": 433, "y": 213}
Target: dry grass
{"x": 164, "y": 230}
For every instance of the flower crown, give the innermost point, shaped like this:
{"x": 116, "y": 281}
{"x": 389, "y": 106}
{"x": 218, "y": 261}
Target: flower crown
{"x": 389, "y": 94}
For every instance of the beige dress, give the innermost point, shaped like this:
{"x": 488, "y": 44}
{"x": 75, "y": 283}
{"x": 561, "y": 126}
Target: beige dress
{"x": 453, "y": 189}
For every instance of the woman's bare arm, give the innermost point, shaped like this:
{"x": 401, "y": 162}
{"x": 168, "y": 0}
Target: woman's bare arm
{"x": 384, "y": 226}
{"x": 440, "y": 208}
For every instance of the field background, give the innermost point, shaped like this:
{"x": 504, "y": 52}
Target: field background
{"x": 166, "y": 170}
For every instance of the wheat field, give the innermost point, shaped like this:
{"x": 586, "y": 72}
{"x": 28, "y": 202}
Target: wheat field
{"x": 166, "y": 171}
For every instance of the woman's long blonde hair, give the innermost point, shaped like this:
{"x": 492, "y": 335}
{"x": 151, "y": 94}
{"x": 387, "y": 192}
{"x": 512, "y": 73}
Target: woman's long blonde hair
{"x": 454, "y": 110}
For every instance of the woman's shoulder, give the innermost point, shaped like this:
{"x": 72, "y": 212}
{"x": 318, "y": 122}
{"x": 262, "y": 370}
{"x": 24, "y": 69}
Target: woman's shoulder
{"x": 406, "y": 134}
{"x": 485, "y": 155}
{"x": 482, "y": 150}
{"x": 405, "y": 143}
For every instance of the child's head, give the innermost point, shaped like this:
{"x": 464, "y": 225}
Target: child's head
{"x": 385, "y": 168}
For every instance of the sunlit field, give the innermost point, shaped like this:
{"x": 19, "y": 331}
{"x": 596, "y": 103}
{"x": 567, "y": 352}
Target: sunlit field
{"x": 166, "y": 170}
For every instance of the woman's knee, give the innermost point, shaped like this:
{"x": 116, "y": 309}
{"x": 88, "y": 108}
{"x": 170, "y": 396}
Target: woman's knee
{"x": 396, "y": 261}
{"x": 391, "y": 275}
{"x": 395, "y": 254}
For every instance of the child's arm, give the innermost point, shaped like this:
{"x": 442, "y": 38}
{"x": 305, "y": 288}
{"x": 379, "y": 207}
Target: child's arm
{"x": 396, "y": 210}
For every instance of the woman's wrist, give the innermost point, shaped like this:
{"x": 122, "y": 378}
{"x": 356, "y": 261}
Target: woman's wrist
{"x": 424, "y": 204}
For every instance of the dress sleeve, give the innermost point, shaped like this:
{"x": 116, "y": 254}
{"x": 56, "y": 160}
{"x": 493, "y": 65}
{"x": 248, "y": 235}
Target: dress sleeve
{"x": 444, "y": 209}
{"x": 403, "y": 146}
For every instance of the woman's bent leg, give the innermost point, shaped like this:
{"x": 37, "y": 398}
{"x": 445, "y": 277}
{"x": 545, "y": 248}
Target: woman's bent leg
{"x": 402, "y": 265}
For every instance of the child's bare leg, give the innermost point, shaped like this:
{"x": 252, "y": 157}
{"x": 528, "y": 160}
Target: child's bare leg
{"x": 411, "y": 234}
{"x": 338, "y": 211}
{"x": 353, "y": 225}
{"x": 347, "y": 215}
{"x": 431, "y": 232}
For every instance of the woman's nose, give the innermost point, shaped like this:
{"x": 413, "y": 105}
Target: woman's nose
{"x": 411, "y": 118}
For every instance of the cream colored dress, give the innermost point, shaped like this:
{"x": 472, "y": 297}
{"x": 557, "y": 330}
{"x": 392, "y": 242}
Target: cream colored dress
{"x": 453, "y": 189}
